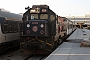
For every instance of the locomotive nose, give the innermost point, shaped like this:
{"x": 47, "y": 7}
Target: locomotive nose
{"x": 36, "y": 28}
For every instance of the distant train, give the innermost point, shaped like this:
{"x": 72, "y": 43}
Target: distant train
{"x": 10, "y": 24}
{"x": 43, "y": 30}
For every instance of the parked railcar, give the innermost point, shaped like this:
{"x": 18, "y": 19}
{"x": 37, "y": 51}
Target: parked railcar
{"x": 9, "y": 30}
{"x": 66, "y": 26}
{"x": 70, "y": 27}
{"x": 42, "y": 30}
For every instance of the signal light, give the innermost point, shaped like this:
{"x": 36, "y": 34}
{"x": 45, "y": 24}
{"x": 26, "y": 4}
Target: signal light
{"x": 28, "y": 31}
{"x": 42, "y": 26}
{"x": 42, "y": 32}
{"x": 28, "y": 25}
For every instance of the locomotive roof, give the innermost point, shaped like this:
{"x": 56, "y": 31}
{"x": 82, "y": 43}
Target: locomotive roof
{"x": 10, "y": 15}
{"x": 40, "y": 6}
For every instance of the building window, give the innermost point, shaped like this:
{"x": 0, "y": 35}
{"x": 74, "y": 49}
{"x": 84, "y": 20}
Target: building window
{"x": 5, "y": 26}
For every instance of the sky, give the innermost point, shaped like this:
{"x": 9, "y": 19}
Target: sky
{"x": 60, "y": 7}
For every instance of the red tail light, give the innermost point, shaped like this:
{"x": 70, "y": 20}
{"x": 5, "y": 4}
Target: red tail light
{"x": 42, "y": 32}
{"x": 28, "y": 31}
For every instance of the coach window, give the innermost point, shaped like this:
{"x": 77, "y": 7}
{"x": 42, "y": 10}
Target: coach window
{"x": 10, "y": 27}
{"x": 52, "y": 17}
{"x": 18, "y": 24}
{"x": 5, "y": 26}
{"x": 34, "y": 16}
{"x": 14, "y": 26}
{"x": 44, "y": 16}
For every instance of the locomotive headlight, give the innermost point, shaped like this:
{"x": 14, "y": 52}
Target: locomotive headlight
{"x": 42, "y": 25}
{"x": 28, "y": 25}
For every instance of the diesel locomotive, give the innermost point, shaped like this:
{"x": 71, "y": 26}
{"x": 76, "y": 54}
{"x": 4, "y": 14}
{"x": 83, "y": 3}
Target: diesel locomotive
{"x": 43, "y": 30}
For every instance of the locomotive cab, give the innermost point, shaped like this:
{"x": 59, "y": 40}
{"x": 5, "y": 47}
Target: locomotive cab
{"x": 39, "y": 21}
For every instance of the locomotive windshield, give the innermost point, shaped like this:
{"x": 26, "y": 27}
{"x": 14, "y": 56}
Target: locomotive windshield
{"x": 34, "y": 16}
{"x": 43, "y": 16}
{"x": 38, "y": 13}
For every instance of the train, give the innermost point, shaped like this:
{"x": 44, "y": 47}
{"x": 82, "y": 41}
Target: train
{"x": 10, "y": 27}
{"x": 43, "y": 30}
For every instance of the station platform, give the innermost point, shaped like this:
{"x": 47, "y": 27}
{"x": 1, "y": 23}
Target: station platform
{"x": 71, "y": 50}
{"x": 79, "y": 35}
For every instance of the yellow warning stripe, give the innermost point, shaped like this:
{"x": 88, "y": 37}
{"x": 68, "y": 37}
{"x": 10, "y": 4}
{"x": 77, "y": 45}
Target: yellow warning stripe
{"x": 49, "y": 44}
{"x": 22, "y": 43}
{"x": 21, "y": 49}
{"x": 29, "y": 40}
{"x": 46, "y": 43}
{"x": 48, "y": 49}
{"x": 32, "y": 39}
{"x": 40, "y": 40}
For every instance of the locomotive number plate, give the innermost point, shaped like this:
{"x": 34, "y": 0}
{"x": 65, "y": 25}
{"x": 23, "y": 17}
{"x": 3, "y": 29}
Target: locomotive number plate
{"x": 34, "y": 22}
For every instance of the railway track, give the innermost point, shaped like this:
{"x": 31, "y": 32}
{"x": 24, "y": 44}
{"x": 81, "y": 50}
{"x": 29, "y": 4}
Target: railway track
{"x": 36, "y": 57}
{"x": 14, "y": 55}
{"x": 17, "y": 55}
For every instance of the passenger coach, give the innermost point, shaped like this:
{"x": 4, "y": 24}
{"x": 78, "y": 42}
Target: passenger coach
{"x": 10, "y": 24}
